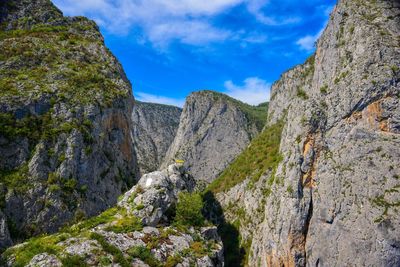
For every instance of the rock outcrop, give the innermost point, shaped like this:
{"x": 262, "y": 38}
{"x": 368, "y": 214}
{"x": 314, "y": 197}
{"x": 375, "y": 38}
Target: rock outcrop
{"x": 154, "y": 129}
{"x": 66, "y": 150}
{"x": 127, "y": 235}
{"x": 156, "y": 192}
{"x": 332, "y": 198}
{"x": 213, "y": 130}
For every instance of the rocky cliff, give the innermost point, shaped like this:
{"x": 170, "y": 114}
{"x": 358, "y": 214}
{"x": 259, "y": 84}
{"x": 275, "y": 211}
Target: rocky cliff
{"x": 213, "y": 130}
{"x": 326, "y": 192}
{"x": 65, "y": 130}
{"x": 127, "y": 235}
{"x": 154, "y": 129}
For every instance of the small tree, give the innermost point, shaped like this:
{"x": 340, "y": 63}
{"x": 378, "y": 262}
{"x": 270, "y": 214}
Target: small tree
{"x": 189, "y": 210}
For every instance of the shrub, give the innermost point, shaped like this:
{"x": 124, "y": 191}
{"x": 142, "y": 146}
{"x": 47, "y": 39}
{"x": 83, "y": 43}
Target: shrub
{"x": 145, "y": 255}
{"x": 302, "y": 94}
{"x": 324, "y": 89}
{"x": 74, "y": 261}
{"x": 118, "y": 256}
{"x": 189, "y": 210}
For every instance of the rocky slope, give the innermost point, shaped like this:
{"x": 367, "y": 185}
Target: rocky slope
{"x": 154, "y": 129}
{"x": 329, "y": 196}
{"x": 65, "y": 130}
{"x": 213, "y": 130}
{"x": 127, "y": 234}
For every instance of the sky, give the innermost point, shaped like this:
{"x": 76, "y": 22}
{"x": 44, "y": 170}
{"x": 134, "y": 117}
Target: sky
{"x": 170, "y": 48}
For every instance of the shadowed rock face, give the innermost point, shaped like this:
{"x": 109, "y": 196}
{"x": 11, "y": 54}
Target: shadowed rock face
{"x": 65, "y": 138}
{"x": 334, "y": 198}
{"x": 213, "y": 130}
{"x": 154, "y": 129}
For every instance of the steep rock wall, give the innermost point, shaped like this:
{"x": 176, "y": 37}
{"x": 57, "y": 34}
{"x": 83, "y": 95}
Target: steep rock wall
{"x": 333, "y": 199}
{"x": 154, "y": 129}
{"x": 213, "y": 130}
{"x": 65, "y": 103}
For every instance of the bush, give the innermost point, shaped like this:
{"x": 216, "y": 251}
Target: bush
{"x": 118, "y": 256}
{"x": 74, "y": 261}
{"x": 145, "y": 255}
{"x": 302, "y": 94}
{"x": 189, "y": 210}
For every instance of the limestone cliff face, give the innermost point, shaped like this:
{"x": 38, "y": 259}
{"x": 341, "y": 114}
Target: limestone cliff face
{"x": 154, "y": 129}
{"x": 66, "y": 150}
{"x": 213, "y": 130}
{"x": 333, "y": 200}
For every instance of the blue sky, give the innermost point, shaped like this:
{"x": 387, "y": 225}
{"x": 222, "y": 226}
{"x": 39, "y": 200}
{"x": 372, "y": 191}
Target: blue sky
{"x": 170, "y": 48}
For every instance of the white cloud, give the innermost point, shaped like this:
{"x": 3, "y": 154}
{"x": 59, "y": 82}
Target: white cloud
{"x": 163, "y": 21}
{"x": 144, "y": 97}
{"x": 253, "y": 91}
{"x": 308, "y": 42}
{"x": 255, "y": 7}
{"x": 188, "y": 32}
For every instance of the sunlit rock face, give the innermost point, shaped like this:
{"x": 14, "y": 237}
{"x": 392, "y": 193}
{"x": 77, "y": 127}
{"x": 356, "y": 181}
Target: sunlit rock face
{"x": 66, "y": 150}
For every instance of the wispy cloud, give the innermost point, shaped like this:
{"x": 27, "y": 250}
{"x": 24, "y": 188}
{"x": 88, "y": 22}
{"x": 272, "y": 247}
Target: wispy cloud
{"x": 255, "y": 7}
{"x": 164, "y": 21}
{"x": 308, "y": 42}
{"x": 187, "y": 32}
{"x": 144, "y": 97}
{"x": 160, "y": 20}
{"x": 253, "y": 90}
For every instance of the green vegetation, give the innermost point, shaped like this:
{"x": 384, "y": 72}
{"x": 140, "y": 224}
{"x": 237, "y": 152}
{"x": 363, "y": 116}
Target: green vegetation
{"x": 262, "y": 155}
{"x": 12, "y": 128}
{"x": 256, "y": 114}
{"x": 324, "y": 89}
{"x": 24, "y": 253}
{"x": 15, "y": 179}
{"x": 145, "y": 255}
{"x": 394, "y": 69}
{"x": 381, "y": 202}
{"x": 105, "y": 217}
{"x": 189, "y": 210}
{"x": 301, "y": 93}
{"x": 310, "y": 63}
{"x": 126, "y": 224}
{"x": 118, "y": 256}
{"x": 74, "y": 261}
{"x": 54, "y": 54}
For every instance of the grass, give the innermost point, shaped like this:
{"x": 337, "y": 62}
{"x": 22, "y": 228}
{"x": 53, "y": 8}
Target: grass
{"x": 118, "y": 256}
{"x": 126, "y": 224}
{"x": 105, "y": 217}
{"x": 262, "y": 155}
{"x": 24, "y": 253}
{"x": 145, "y": 255}
{"x": 74, "y": 261}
